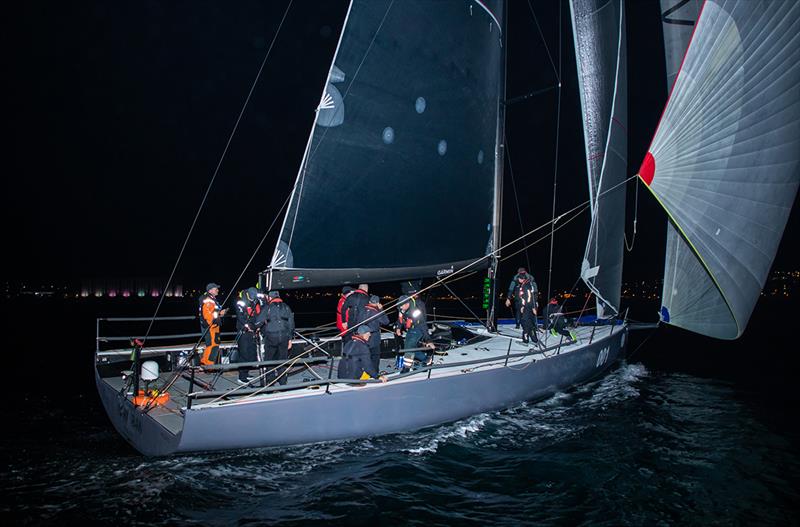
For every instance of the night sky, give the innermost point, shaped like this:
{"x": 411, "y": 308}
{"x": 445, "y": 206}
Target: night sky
{"x": 119, "y": 113}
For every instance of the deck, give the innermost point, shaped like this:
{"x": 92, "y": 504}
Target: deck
{"x": 489, "y": 350}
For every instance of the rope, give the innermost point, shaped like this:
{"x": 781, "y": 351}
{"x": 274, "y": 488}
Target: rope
{"x": 185, "y": 364}
{"x": 635, "y": 218}
{"x": 216, "y": 170}
{"x": 466, "y": 306}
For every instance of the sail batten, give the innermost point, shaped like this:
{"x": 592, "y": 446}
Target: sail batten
{"x": 399, "y": 176}
{"x": 725, "y": 162}
{"x": 599, "y": 38}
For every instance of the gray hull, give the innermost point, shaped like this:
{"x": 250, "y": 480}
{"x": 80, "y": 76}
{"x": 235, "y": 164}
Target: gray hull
{"x": 350, "y": 412}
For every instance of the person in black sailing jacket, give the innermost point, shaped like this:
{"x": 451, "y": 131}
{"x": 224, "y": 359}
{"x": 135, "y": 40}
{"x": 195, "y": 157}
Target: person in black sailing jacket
{"x": 248, "y": 308}
{"x": 557, "y": 322}
{"x": 357, "y": 352}
{"x": 522, "y": 277}
{"x": 277, "y": 328}
{"x": 527, "y": 296}
{"x": 352, "y": 307}
{"x": 412, "y": 318}
{"x": 373, "y": 317}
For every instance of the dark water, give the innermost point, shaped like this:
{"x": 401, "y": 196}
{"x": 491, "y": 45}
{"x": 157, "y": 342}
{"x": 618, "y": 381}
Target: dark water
{"x": 687, "y": 431}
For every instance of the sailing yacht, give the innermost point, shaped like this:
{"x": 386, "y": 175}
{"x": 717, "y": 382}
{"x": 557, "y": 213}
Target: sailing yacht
{"x": 411, "y": 119}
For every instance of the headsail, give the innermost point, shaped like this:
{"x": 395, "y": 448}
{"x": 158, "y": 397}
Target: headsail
{"x": 678, "y": 18}
{"x": 599, "y": 34}
{"x": 724, "y": 162}
{"x": 398, "y": 179}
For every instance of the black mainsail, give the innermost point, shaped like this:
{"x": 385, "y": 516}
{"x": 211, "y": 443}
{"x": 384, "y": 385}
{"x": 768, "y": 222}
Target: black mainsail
{"x": 399, "y": 175}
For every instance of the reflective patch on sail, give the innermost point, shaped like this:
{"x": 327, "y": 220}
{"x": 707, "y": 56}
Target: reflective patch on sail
{"x": 331, "y": 107}
{"x": 282, "y": 257}
{"x": 587, "y": 272}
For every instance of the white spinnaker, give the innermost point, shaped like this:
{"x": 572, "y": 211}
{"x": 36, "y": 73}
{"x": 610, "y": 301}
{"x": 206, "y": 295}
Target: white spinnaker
{"x": 599, "y": 36}
{"x": 724, "y": 162}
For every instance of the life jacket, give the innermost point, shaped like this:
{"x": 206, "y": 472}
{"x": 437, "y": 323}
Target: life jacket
{"x": 413, "y": 316}
{"x": 208, "y": 310}
{"x": 251, "y": 311}
{"x": 339, "y": 318}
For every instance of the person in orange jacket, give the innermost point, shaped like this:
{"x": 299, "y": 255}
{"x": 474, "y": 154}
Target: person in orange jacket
{"x": 210, "y": 312}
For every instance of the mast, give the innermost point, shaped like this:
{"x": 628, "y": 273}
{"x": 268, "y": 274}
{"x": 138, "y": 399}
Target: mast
{"x": 499, "y": 165}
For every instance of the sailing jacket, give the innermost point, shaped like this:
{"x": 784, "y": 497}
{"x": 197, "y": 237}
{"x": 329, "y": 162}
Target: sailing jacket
{"x": 374, "y": 318}
{"x": 354, "y": 305}
{"x": 555, "y": 316}
{"x": 276, "y": 318}
{"x": 356, "y": 353}
{"x": 340, "y": 311}
{"x": 415, "y": 317}
{"x": 208, "y": 310}
{"x": 517, "y": 290}
{"x": 247, "y": 314}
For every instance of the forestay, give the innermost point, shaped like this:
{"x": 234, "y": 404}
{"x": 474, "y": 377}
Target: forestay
{"x": 398, "y": 178}
{"x": 724, "y": 162}
{"x": 599, "y": 34}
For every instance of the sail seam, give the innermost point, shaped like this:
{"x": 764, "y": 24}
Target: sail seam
{"x": 699, "y": 257}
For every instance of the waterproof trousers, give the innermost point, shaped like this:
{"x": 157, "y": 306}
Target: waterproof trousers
{"x": 375, "y": 350}
{"x": 276, "y": 347}
{"x": 414, "y": 335}
{"x": 248, "y": 351}
{"x": 211, "y": 351}
{"x": 529, "y": 325}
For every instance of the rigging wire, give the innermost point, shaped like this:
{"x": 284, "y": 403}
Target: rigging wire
{"x": 216, "y": 170}
{"x": 555, "y": 164}
{"x": 471, "y": 312}
{"x": 544, "y": 41}
{"x": 182, "y": 367}
{"x": 516, "y": 201}
{"x": 302, "y": 173}
{"x": 290, "y": 362}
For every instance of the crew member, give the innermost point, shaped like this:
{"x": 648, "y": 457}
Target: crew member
{"x": 248, "y": 308}
{"x": 210, "y": 312}
{"x": 357, "y": 352}
{"x": 373, "y": 317}
{"x": 340, "y": 325}
{"x": 277, "y": 320}
{"x": 557, "y": 322}
{"x": 412, "y": 318}
{"x": 527, "y": 296}
{"x": 520, "y": 278}
{"x": 352, "y": 307}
